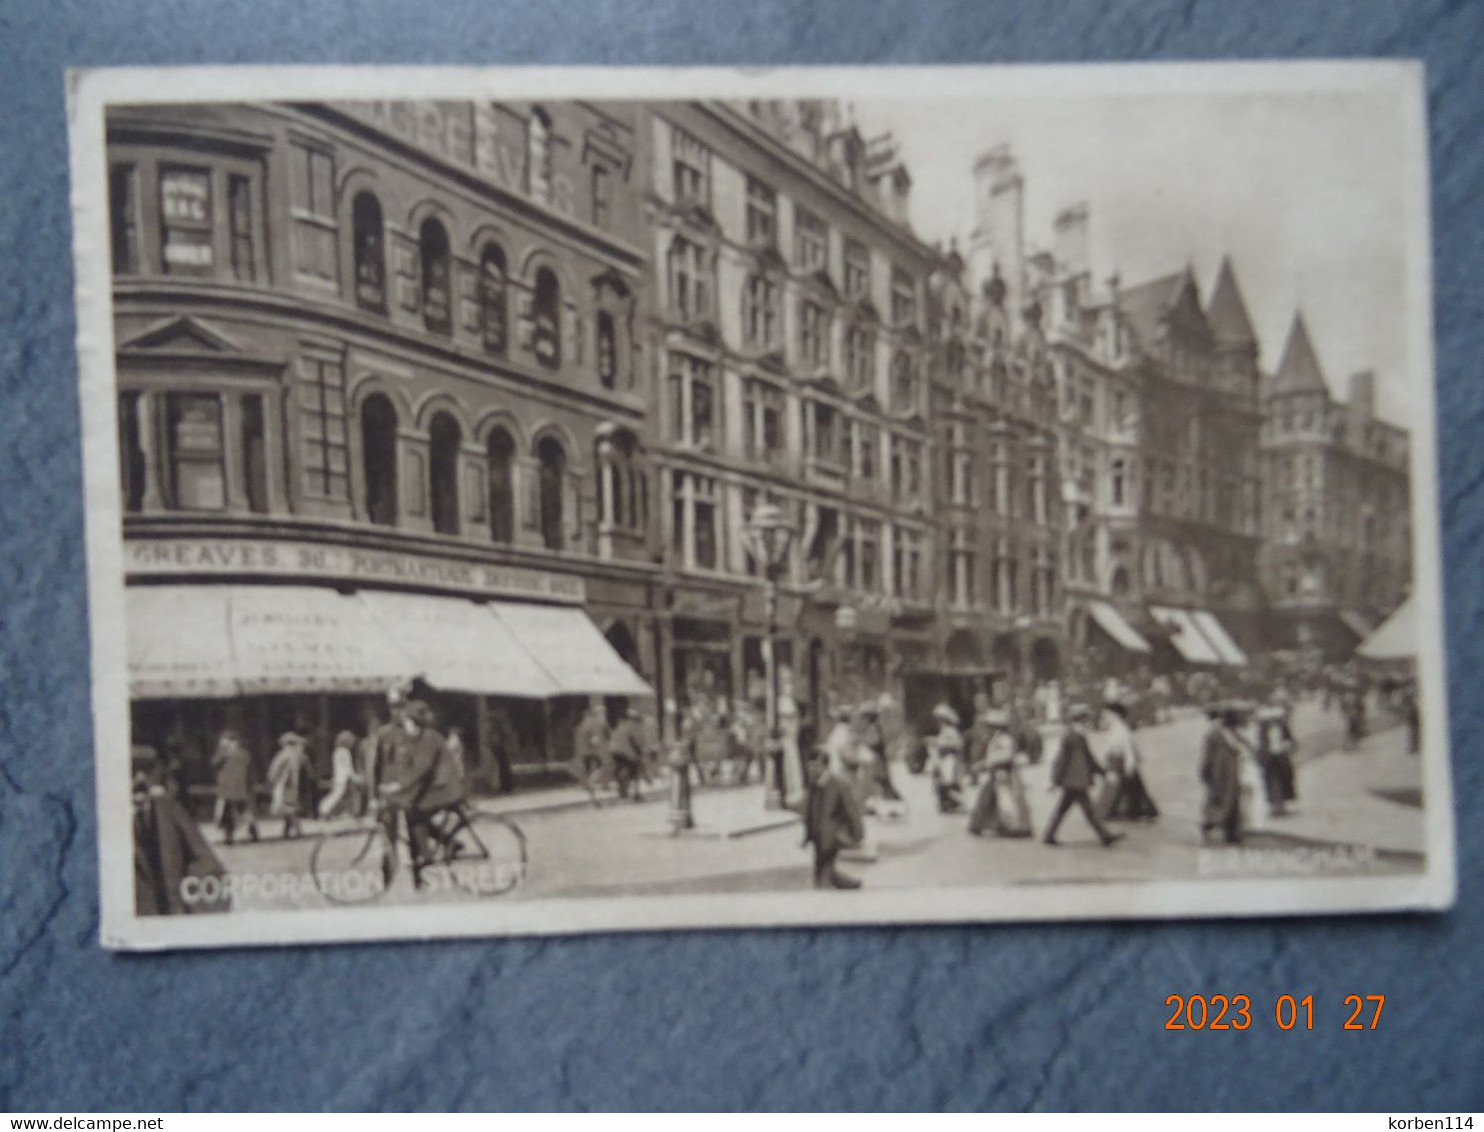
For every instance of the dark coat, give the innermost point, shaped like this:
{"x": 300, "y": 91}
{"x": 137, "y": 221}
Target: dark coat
{"x": 233, "y": 767}
{"x": 1075, "y": 768}
{"x": 168, "y": 847}
{"x": 624, "y": 741}
{"x": 424, "y": 774}
{"x": 1221, "y": 763}
{"x": 831, "y": 820}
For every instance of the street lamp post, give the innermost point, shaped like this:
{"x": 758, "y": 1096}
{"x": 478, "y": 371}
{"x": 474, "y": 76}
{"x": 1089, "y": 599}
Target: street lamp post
{"x": 769, "y": 537}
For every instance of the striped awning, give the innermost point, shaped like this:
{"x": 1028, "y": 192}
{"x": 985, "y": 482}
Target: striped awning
{"x": 1113, "y": 623}
{"x": 1185, "y": 635}
{"x": 1215, "y": 632}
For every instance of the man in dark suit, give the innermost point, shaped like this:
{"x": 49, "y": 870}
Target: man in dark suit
{"x": 831, "y": 823}
{"x": 420, "y": 780}
{"x": 1074, "y": 772}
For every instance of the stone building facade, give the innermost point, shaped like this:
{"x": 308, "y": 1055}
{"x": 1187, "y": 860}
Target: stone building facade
{"x": 791, "y": 362}
{"x": 1337, "y": 531}
{"x": 390, "y": 345}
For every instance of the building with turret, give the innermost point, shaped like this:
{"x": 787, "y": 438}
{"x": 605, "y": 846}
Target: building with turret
{"x": 1337, "y": 535}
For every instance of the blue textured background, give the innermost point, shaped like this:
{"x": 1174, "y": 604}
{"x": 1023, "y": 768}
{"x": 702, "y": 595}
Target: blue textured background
{"x": 1047, "y": 1017}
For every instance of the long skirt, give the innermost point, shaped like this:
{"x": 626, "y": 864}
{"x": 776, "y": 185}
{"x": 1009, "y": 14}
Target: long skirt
{"x": 1001, "y": 808}
{"x": 1278, "y": 779}
{"x": 1123, "y": 796}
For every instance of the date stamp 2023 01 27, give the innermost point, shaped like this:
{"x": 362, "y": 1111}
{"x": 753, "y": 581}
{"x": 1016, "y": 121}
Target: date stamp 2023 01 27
{"x": 1234, "y": 1012}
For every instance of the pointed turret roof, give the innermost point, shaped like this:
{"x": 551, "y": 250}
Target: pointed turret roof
{"x": 1226, "y": 312}
{"x": 1299, "y": 370}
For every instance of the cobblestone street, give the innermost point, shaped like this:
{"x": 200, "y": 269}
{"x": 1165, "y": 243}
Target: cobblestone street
{"x": 1362, "y": 806}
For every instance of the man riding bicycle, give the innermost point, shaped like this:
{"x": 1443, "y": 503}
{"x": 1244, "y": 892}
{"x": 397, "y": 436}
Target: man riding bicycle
{"x": 420, "y": 780}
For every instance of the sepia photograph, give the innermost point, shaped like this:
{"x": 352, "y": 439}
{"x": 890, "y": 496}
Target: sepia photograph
{"x": 542, "y": 501}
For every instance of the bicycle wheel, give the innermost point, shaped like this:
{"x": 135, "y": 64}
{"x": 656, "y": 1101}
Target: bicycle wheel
{"x": 347, "y": 864}
{"x": 485, "y": 856}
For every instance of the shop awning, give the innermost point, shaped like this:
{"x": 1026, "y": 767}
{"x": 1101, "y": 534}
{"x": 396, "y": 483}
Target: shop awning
{"x": 1395, "y": 638}
{"x": 1357, "y": 623}
{"x": 218, "y": 641}
{"x": 1185, "y": 636}
{"x": 571, "y": 650}
{"x": 457, "y": 646}
{"x": 1112, "y": 622}
{"x": 179, "y": 643}
{"x": 1215, "y": 632}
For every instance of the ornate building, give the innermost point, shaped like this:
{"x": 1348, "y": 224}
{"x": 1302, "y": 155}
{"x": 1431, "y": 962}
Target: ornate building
{"x": 788, "y": 336}
{"x": 1337, "y": 532}
{"x": 1159, "y": 420}
{"x": 391, "y": 349}
{"x": 998, "y": 498}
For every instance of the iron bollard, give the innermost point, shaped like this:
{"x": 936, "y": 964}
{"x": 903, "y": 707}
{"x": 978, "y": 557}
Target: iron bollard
{"x": 680, "y": 816}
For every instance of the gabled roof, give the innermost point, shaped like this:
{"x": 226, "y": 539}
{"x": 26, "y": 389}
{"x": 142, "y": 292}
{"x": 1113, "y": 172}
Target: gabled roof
{"x": 1226, "y": 312}
{"x": 1299, "y": 370}
{"x": 1144, "y": 306}
{"x": 1150, "y": 307}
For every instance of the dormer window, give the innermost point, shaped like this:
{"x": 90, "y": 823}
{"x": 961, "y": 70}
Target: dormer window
{"x": 903, "y": 298}
{"x": 811, "y": 241}
{"x": 690, "y": 170}
{"x": 762, "y": 213}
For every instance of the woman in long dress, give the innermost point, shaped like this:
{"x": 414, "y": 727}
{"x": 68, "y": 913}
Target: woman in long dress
{"x": 1130, "y": 800}
{"x": 1220, "y": 771}
{"x": 1275, "y": 750}
{"x": 343, "y": 776}
{"x": 1001, "y": 808}
{"x": 947, "y": 759}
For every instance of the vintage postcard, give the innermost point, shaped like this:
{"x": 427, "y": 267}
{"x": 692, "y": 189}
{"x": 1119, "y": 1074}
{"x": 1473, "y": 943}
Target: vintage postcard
{"x": 558, "y": 500}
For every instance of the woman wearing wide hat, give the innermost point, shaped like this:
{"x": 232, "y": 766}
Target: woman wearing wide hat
{"x": 948, "y": 758}
{"x": 1001, "y": 808}
{"x": 1127, "y": 798}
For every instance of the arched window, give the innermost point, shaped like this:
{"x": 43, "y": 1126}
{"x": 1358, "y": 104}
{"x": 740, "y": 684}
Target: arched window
{"x": 552, "y": 487}
{"x": 547, "y": 312}
{"x": 444, "y": 437}
{"x": 500, "y": 459}
{"x": 538, "y": 154}
{"x": 379, "y": 459}
{"x": 493, "y": 321}
{"x": 607, "y": 350}
{"x": 433, "y": 252}
{"x": 623, "y": 495}
{"x": 369, "y": 241}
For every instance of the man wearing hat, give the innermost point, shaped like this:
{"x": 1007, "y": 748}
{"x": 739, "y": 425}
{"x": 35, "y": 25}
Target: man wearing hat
{"x": 626, "y": 754}
{"x": 419, "y": 780}
{"x": 1275, "y": 757}
{"x": 1221, "y": 773}
{"x": 1074, "y": 772}
{"x": 286, "y": 777}
{"x": 832, "y": 823}
{"x": 381, "y": 737}
{"x": 234, "y": 801}
{"x": 168, "y": 845}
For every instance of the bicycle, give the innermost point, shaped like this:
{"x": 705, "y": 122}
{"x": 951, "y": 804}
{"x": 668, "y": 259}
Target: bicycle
{"x": 470, "y": 851}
